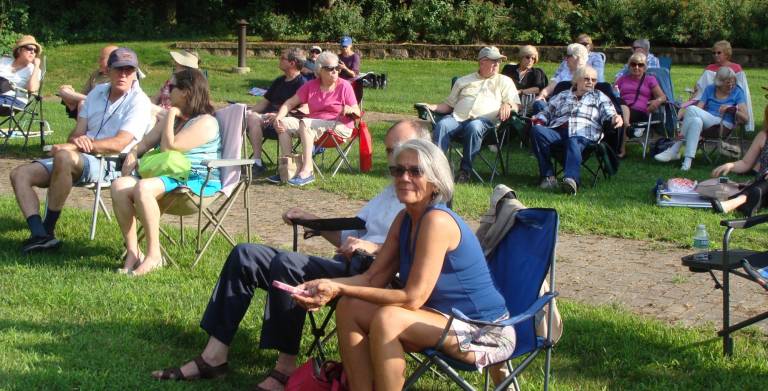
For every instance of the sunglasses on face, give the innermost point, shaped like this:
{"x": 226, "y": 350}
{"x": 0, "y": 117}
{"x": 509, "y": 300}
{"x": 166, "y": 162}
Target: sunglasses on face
{"x": 330, "y": 69}
{"x": 637, "y": 65}
{"x": 30, "y": 48}
{"x": 398, "y": 171}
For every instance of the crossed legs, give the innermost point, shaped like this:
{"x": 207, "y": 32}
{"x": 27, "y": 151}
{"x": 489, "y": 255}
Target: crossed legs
{"x": 373, "y": 340}
{"x": 133, "y": 198}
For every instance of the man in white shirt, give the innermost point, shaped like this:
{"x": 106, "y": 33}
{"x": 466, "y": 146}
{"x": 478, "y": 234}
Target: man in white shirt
{"x": 114, "y": 118}
{"x": 254, "y": 266}
{"x": 476, "y": 105}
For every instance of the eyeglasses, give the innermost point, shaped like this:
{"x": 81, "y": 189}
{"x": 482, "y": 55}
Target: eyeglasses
{"x": 590, "y": 79}
{"x": 30, "y": 48}
{"x": 330, "y": 69}
{"x": 637, "y": 47}
{"x": 637, "y": 65}
{"x": 126, "y": 69}
{"x": 398, "y": 171}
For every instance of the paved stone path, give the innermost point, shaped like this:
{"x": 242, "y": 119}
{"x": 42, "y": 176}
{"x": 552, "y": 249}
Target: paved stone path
{"x": 644, "y": 277}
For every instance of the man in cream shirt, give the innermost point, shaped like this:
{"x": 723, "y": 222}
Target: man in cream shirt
{"x": 476, "y": 104}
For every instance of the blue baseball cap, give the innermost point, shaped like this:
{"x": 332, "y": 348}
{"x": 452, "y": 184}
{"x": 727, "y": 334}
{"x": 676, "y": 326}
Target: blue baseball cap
{"x": 345, "y": 41}
{"x": 123, "y": 57}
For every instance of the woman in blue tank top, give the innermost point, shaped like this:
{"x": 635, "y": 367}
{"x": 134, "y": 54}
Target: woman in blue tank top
{"x": 441, "y": 266}
{"x": 189, "y": 127}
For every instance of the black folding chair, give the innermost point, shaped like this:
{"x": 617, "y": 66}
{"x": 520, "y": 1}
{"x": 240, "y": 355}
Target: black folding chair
{"x": 753, "y": 265}
{"x": 18, "y": 121}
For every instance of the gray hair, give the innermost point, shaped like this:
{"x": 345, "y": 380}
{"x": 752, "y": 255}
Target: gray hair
{"x": 529, "y": 50}
{"x": 327, "y": 59}
{"x": 296, "y": 56}
{"x": 580, "y": 52}
{"x": 638, "y": 57}
{"x": 433, "y": 164}
{"x": 642, "y": 43}
{"x": 723, "y": 75}
{"x": 581, "y": 72}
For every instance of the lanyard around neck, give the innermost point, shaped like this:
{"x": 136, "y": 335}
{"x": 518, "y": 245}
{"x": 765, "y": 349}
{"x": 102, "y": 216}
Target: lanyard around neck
{"x": 106, "y": 107}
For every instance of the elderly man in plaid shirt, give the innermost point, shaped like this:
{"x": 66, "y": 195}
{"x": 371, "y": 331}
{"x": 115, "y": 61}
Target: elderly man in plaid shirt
{"x": 573, "y": 118}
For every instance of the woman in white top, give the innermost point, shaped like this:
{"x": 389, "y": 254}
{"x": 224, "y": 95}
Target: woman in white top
{"x": 23, "y": 70}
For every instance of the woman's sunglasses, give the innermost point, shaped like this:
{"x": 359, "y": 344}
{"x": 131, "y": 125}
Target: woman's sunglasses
{"x": 637, "y": 65}
{"x": 30, "y": 48}
{"x": 399, "y": 171}
{"x": 330, "y": 69}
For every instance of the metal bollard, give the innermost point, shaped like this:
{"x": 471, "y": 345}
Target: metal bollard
{"x": 242, "y": 25}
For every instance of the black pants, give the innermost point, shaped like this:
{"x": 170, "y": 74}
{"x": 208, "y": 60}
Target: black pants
{"x": 252, "y": 266}
{"x": 757, "y": 196}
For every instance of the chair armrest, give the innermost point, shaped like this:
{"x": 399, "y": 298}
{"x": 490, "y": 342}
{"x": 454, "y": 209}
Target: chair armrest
{"x": 227, "y": 163}
{"x": 527, "y": 314}
{"x": 335, "y": 224}
{"x": 745, "y": 223}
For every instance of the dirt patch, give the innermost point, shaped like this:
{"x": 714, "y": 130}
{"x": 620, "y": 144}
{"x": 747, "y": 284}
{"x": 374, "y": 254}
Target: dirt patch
{"x": 642, "y": 276}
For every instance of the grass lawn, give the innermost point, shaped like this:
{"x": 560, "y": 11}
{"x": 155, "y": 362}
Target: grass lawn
{"x": 68, "y": 322}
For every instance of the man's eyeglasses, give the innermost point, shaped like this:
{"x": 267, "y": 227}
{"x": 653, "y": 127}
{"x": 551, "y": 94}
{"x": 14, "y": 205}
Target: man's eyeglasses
{"x": 590, "y": 79}
{"x": 330, "y": 69}
{"x": 398, "y": 171}
{"x": 126, "y": 69}
{"x": 30, "y": 48}
{"x": 637, "y": 47}
{"x": 637, "y": 65}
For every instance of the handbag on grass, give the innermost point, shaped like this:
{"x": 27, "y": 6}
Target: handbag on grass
{"x": 157, "y": 163}
{"x": 716, "y": 188}
{"x": 287, "y": 166}
{"x": 316, "y": 376}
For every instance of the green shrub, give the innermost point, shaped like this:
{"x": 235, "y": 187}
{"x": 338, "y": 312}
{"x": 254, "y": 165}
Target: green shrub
{"x": 379, "y": 20}
{"x": 344, "y": 18}
{"x": 13, "y": 16}
{"x": 272, "y": 26}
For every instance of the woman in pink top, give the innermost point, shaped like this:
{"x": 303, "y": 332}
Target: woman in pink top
{"x": 636, "y": 89}
{"x": 332, "y": 106}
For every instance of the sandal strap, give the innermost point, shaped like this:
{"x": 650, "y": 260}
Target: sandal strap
{"x": 172, "y": 374}
{"x": 279, "y": 376}
{"x": 206, "y": 371}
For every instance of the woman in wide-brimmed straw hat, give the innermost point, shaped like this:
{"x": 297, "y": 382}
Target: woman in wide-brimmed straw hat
{"x": 23, "y": 70}
{"x": 181, "y": 60}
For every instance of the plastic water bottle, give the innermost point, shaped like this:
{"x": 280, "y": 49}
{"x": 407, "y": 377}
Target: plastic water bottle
{"x": 701, "y": 243}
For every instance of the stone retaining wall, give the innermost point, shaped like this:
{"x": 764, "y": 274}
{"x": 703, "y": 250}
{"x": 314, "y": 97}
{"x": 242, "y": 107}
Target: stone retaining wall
{"x": 696, "y": 56}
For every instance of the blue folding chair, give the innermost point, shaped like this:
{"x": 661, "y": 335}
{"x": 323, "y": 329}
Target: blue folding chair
{"x": 518, "y": 265}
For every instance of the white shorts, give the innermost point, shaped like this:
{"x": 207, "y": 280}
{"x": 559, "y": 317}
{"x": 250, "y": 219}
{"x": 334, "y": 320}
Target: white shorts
{"x": 318, "y": 127}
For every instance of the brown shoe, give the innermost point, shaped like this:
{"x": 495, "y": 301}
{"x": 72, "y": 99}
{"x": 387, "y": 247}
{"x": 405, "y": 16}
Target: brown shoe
{"x": 204, "y": 371}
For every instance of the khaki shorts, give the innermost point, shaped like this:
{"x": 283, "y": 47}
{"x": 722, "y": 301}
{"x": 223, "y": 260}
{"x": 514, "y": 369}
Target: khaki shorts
{"x": 318, "y": 127}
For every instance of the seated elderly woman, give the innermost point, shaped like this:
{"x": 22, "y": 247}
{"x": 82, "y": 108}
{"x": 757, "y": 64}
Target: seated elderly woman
{"x": 576, "y": 57}
{"x": 441, "y": 265}
{"x": 755, "y": 195}
{"x": 332, "y": 105}
{"x": 722, "y": 101}
{"x": 528, "y": 80}
{"x": 722, "y": 52}
{"x": 188, "y": 127}
{"x": 574, "y": 119}
{"x": 23, "y": 70}
{"x": 594, "y": 59}
{"x": 636, "y": 90}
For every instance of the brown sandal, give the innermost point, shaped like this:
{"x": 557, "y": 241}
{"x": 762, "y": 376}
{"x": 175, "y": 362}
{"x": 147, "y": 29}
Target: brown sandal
{"x": 275, "y": 374}
{"x": 204, "y": 371}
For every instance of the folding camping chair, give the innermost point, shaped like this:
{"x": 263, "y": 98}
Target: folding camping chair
{"x": 182, "y": 202}
{"x": 322, "y": 331}
{"x": 664, "y": 118}
{"x": 18, "y": 120}
{"x": 519, "y": 265}
{"x": 729, "y": 261}
{"x": 329, "y": 140}
{"x": 718, "y": 139}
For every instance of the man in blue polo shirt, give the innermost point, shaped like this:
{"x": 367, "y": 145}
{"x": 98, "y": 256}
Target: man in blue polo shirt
{"x": 263, "y": 113}
{"x": 114, "y": 118}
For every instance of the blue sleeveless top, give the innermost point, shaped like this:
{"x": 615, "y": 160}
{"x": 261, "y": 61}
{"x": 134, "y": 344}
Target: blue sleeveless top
{"x": 464, "y": 282}
{"x": 208, "y": 151}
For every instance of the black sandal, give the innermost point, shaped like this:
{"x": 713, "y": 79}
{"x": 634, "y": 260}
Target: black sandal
{"x": 717, "y": 207}
{"x": 204, "y": 371}
{"x": 275, "y": 374}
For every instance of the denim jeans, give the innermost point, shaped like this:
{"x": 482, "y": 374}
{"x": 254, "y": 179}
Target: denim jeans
{"x": 470, "y": 132}
{"x": 544, "y": 138}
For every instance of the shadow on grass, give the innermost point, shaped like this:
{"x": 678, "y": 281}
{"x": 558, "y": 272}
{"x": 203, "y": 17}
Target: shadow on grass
{"x": 112, "y": 355}
{"x": 621, "y": 351}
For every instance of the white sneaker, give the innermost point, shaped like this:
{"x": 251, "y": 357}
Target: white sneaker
{"x": 672, "y": 153}
{"x": 686, "y": 164}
